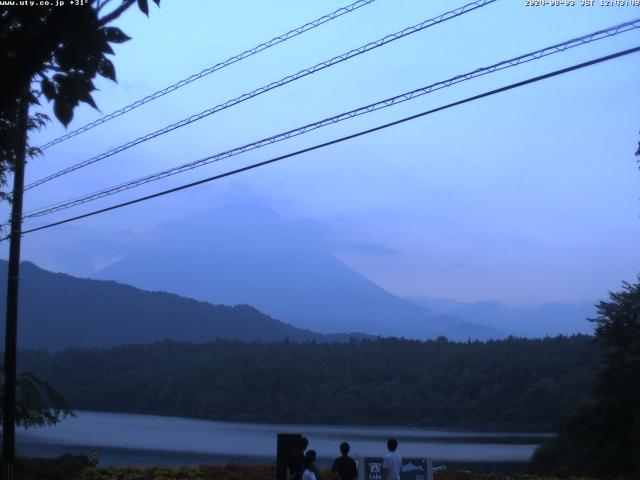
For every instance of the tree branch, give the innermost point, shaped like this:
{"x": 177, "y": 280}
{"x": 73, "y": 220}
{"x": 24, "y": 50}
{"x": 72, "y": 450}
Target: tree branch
{"x": 116, "y": 13}
{"x": 101, "y": 4}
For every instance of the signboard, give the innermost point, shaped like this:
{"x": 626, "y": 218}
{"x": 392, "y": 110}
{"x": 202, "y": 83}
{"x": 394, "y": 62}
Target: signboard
{"x": 286, "y": 444}
{"x": 373, "y": 468}
{"x": 412, "y": 469}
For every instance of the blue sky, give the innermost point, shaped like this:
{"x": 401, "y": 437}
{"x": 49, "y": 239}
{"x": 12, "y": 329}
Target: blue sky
{"x": 526, "y": 197}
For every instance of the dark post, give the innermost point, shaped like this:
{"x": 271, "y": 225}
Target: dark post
{"x": 286, "y": 444}
{"x": 11, "y": 323}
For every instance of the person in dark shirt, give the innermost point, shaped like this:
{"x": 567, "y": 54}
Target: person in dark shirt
{"x": 345, "y": 466}
{"x": 297, "y": 459}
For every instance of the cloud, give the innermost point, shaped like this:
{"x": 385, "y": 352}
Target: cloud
{"x": 103, "y": 261}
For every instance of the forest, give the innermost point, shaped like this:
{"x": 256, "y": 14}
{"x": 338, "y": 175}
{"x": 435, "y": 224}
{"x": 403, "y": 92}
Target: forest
{"x": 514, "y": 383}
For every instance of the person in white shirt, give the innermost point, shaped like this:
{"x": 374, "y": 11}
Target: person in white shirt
{"x": 392, "y": 464}
{"x": 310, "y": 470}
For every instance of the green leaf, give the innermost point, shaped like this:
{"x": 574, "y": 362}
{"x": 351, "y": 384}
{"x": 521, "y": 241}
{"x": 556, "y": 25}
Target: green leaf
{"x": 106, "y": 48}
{"x": 144, "y": 7}
{"x": 106, "y": 69}
{"x": 63, "y": 108}
{"x": 87, "y": 98}
{"x": 115, "y": 35}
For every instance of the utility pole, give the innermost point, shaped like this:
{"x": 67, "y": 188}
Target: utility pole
{"x": 11, "y": 322}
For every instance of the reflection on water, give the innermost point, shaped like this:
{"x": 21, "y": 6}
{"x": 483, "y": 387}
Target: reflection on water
{"x": 147, "y": 439}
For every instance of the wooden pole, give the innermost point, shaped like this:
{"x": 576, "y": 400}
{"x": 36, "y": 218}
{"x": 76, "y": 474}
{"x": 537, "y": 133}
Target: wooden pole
{"x": 11, "y": 322}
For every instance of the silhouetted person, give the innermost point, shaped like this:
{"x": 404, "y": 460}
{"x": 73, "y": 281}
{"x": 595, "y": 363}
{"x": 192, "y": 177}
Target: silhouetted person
{"x": 310, "y": 472}
{"x": 314, "y": 468}
{"x": 297, "y": 459}
{"x": 345, "y": 466}
{"x": 392, "y": 464}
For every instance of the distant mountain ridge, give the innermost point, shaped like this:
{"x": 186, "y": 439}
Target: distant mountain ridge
{"x": 247, "y": 254}
{"x": 546, "y": 319}
{"x": 59, "y": 311}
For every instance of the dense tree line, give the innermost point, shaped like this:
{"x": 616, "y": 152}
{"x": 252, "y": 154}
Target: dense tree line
{"x": 602, "y": 438}
{"x": 512, "y": 383}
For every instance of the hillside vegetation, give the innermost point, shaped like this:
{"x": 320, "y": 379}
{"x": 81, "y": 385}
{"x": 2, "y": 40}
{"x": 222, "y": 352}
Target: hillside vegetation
{"x": 59, "y": 311}
{"x": 512, "y": 383}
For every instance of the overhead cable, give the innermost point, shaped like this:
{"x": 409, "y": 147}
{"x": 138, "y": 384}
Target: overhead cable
{"x": 388, "y": 102}
{"x": 207, "y": 71}
{"x": 271, "y": 86}
{"x": 338, "y": 140}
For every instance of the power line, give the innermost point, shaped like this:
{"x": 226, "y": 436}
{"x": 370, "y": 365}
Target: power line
{"x": 271, "y": 86}
{"x": 207, "y": 71}
{"x": 560, "y": 47}
{"x": 341, "y": 139}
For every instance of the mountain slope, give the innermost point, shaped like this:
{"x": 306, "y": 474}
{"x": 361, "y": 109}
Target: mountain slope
{"x": 246, "y": 255}
{"x": 59, "y": 311}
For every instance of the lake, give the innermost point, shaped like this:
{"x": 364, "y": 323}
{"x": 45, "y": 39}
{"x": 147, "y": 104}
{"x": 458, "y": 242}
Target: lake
{"x": 127, "y": 439}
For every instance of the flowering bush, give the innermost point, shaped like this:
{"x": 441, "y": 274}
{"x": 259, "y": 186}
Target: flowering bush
{"x": 452, "y": 475}
{"x": 203, "y": 472}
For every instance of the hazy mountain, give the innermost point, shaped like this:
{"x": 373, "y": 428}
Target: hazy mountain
{"x": 529, "y": 321}
{"x": 244, "y": 254}
{"x": 59, "y": 311}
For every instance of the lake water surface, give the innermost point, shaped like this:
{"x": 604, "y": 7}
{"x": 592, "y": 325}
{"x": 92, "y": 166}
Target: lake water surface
{"x": 125, "y": 439}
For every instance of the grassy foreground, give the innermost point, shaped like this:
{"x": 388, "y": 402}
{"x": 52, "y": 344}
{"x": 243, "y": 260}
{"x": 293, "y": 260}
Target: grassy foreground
{"x": 72, "y": 467}
{"x": 203, "y": 472}
{"x": 248, "y": 472}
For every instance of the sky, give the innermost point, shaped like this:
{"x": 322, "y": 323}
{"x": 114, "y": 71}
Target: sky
{"x": 526, "y": 197}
